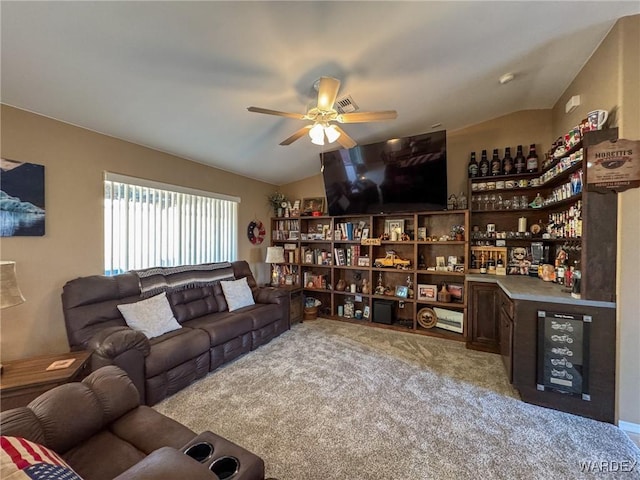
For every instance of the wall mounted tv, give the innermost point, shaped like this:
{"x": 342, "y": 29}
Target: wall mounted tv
{"x": 398, "y": 175}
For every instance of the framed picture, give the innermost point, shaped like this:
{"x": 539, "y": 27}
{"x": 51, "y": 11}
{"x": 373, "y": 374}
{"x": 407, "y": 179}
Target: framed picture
{"x": 23, "y": 214}
{"x": 293, "y": 235}
{"x": 365, "y": 234}
{"x": 457, "y": 292}
{"x": 393, "y": 225}
{"x": 310, "y": 205}
{"x": 427, "y": 292}
{"x": 422, "y": 234}
{"x": 363, "y": 261}
{"x": 366, "y": 312}
{"x": 402, "y": 291}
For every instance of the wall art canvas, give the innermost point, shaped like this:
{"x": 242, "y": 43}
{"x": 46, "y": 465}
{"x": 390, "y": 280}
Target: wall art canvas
{"x": 22, "y": 210}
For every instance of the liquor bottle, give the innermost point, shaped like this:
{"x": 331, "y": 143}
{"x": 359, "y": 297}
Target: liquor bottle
{"x": 532, "y": 159}
{"x": 499, "y": 262}
{"x": 496, "y": 164}
{"x": 474, "y": 261}
{"x": 491, "y": 264}
{"x": 519, "y": 163}
{"x": 507, "y": 162}
{"x": 473, "y": 166}
{"x": 483, "y": 263}
{"x": 484, "y": 164}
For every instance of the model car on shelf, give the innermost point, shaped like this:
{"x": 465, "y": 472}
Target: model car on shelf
{"x": 391, "y": 260}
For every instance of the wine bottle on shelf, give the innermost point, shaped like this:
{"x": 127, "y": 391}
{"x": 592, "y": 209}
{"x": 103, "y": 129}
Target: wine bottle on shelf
{"x": 507, "y": 162}
{"x": 532, "y": 159}
{"x": 473, "y": 166}
{"x": 491, "y": 264}
{"x": 496, "y": 164}
{"x": 519, "y": 163}
{"x": 484, "y": 164}
{"x": 499, "y": 262}
{"x": 483, "y": 263}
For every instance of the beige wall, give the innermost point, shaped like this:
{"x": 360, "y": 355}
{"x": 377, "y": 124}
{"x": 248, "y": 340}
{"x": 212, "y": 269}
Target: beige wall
{"x": 74, "y": 160}
{"x": 610, "y": 80}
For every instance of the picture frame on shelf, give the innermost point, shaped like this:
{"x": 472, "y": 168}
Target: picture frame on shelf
{"x": 422, "y": 234}
{"x": 294, "y": 235}
{"x": 427, "y": 292}
{"x": 366, "y": 312}
{"x": 363, "y": 261}
{"x": 365, "y": 234}
{"x": 457, "y": 292}
{"x": 402, "y": 291}
{"x": 311, "y": 205}
{"x": 393, "y": 224}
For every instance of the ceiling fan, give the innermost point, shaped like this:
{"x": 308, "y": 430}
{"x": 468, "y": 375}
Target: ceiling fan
{"x": 324, "y": 113}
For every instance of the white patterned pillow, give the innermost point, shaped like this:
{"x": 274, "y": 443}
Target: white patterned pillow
{"x": 237, "y": 293}
{"x": 152, "y": 316}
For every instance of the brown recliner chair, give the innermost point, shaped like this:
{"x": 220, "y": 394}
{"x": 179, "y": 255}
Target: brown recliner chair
{"x": 100, "y": 429}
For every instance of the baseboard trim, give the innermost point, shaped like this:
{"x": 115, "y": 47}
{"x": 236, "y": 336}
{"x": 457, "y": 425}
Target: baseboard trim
{"x": 629, "y": 427}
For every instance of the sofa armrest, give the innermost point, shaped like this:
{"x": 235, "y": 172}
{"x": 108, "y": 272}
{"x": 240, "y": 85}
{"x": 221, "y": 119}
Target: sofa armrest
{"x": 113, "y": 341}
{"x": 167, "y": 462}
{"x": 124, "y": 348}
{"x": 271, "y": 295}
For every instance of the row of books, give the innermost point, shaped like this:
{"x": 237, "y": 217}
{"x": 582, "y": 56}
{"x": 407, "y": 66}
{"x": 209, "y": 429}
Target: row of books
{"x": 350, "y": 230}
{"x": 347, "y": 256}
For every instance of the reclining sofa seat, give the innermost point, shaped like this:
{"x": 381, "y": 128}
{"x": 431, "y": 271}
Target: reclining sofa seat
{"x": 161, "y": 366}
{"x": 114, "y": 437}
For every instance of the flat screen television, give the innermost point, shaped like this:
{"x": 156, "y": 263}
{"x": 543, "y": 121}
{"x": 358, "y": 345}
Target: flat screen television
{"x": 399, "y": 175}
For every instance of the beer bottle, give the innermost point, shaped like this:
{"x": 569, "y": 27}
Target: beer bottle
{"x": 519, "y": 163}
{"x": 532, "y": 159}
{"x": 496, "y": 164}
{"x": 473, "y": 166}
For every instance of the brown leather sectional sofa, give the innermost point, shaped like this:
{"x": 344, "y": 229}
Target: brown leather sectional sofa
{"x": 101, "y": 431}
{"x": 161, "y": 366}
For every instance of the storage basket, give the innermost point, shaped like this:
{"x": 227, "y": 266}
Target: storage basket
{"x": 310, "y": 313}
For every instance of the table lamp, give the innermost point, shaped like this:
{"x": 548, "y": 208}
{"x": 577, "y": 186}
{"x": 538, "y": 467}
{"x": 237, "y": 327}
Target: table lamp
{"x": 10, "y": 294}
{"x": 275, "y": 255}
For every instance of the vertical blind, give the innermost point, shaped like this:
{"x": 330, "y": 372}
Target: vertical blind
{"x": 147, "y": 224}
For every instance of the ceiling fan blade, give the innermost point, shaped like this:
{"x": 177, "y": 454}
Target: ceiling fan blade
{"x": 300, "y": 133}
{"x": 299, "y": 116}
{"x": 345, "y": 140}
{"x": 327, "y": 93}
{"x": 361, "y": 117}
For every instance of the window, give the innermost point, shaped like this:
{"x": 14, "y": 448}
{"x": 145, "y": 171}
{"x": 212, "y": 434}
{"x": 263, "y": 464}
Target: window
{"x": 149, "y": 224}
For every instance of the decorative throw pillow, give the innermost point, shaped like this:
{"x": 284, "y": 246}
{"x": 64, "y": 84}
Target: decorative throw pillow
{"x": 21, "y": 459}
{"x": 237, "y": 293}
{"x": 152, "y": 316}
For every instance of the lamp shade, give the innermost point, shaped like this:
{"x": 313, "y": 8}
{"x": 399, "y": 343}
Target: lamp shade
{"x": 10, "y": 293}
{"x": 275, "y": 255}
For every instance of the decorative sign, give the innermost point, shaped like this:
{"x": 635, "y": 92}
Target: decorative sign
{"x": 563, "y": 353}
{"x": 370, "y": 241}
{"x": 614, "y": 164}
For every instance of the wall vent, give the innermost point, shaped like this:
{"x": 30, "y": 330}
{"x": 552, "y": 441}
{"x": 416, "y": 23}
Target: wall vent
{"x": 345, "y": 104}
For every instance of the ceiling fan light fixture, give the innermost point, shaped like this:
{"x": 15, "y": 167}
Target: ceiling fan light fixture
{"x": 332, "y": 133}
{"x": 317, "y": 134}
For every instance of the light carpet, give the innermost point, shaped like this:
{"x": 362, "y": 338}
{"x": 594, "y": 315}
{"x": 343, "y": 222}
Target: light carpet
{"x": 332, "y": 400}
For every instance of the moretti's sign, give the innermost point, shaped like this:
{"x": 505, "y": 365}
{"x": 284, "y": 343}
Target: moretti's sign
{"x": 614, "y": 164}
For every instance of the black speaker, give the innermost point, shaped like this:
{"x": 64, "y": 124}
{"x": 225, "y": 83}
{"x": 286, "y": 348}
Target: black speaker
{"x": 383, "y": 311}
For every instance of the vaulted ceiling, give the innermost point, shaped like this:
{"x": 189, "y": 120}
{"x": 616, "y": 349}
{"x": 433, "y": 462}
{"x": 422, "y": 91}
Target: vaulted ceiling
{"x": 178, "y": 76}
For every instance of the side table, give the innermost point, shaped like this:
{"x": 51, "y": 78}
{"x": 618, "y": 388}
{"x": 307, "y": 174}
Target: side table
{"x": 295, "y": 302}
{"x": 23, "y": 380}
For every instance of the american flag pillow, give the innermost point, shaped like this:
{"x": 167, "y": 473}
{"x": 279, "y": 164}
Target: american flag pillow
{"x": 21, "y": 459}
